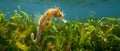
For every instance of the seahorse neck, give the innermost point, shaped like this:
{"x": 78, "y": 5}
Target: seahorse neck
{"x": 50, "y": 12}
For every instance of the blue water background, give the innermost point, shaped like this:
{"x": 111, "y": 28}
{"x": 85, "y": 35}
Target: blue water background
{"x": 72, "y": 8}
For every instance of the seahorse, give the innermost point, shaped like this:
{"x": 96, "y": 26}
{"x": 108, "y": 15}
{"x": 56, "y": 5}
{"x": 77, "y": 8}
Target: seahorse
{"x": 45, "y": 21}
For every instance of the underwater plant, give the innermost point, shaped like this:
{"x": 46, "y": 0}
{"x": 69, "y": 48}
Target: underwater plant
{"x": 79, "y": 35}
{"x": 45, "y": 21}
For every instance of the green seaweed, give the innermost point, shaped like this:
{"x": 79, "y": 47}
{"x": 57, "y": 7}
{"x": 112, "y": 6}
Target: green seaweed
{"x": 91, "y": 35}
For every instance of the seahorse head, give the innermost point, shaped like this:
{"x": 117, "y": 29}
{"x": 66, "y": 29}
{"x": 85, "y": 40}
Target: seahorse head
{"x": 59, "y": 14}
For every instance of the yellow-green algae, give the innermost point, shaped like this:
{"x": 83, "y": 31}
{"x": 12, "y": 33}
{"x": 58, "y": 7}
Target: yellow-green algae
{"x": 90, "y": 35}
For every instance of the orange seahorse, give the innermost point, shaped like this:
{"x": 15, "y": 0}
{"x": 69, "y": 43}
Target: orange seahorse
{"x": 45, "y": 21}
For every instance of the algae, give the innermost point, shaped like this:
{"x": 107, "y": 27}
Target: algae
{"x": 91, "y": 35}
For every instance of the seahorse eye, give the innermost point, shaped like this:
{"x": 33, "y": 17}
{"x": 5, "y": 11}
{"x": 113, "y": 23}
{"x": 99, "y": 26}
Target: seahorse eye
{"x": 60, "y": 15}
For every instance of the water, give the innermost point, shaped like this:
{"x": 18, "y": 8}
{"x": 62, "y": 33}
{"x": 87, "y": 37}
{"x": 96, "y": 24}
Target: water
{"x": 100, "y": 32}
{"x": 72, "y": 9}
